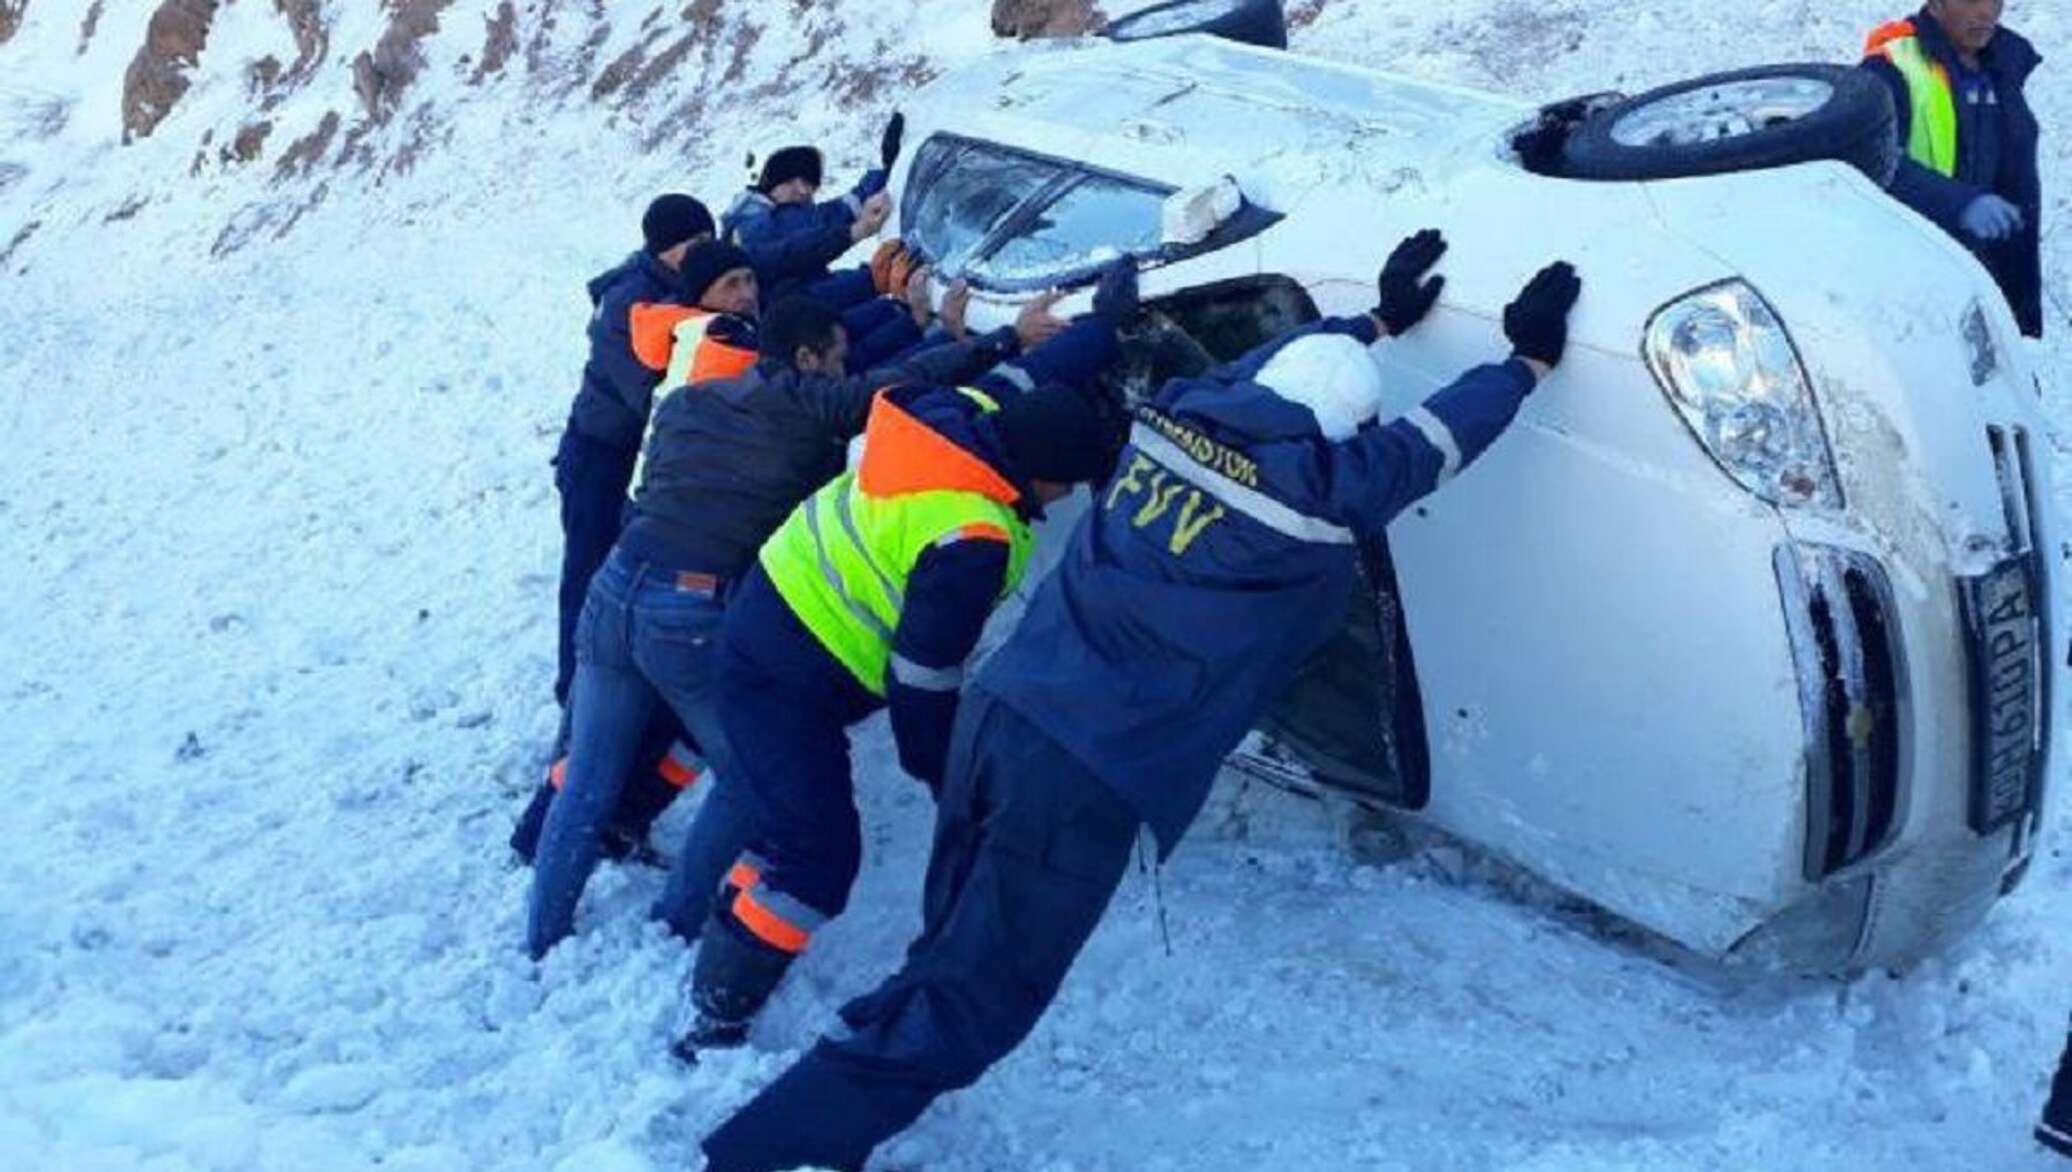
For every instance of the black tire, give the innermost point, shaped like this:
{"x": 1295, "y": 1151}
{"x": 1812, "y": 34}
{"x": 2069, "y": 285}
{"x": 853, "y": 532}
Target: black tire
{"x": 1251, "y": 22}
{"x": 1855, "y": 125}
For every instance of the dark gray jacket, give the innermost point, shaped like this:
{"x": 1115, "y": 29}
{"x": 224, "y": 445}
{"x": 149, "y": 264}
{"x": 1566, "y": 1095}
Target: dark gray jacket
{"x": 728, "y": 460}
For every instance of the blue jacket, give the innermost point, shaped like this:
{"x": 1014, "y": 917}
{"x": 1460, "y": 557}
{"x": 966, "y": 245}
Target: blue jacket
{"x": 620, "y": 376}
{"x": 792, "y": 244}
{"x": 2007, "y": 167}
{"x": 1218, "y": 558}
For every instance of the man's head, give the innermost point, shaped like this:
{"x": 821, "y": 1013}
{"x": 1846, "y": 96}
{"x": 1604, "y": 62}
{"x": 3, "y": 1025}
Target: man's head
{"x": 1055, "y": 439}
{"x": 806, "y": 335}
{"x": 1332, "y": 375}
{"x": 720, "y": 278}
{"x": 672, "y": 224}
{"x": 1970, "y": 24}
{"x": 792, "y": 175}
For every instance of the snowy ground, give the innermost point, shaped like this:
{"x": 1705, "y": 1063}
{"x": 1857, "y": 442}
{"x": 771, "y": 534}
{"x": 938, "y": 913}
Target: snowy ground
{"x": 276, "y": 643}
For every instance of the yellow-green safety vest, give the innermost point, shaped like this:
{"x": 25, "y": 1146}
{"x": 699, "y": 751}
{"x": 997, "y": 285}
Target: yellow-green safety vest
{"x": 1932, "y": 129}
{"x": 842, "y": 559}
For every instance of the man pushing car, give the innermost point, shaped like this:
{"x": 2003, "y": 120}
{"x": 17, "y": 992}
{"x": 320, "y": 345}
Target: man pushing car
{"x": 1217, "y": 558}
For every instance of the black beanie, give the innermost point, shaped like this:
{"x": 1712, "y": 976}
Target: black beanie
{"x": 673, "y": 219}
{"x": 708, "y": 262}
{"x": 1055, "y": 434}
{"x": 793, "y": 162}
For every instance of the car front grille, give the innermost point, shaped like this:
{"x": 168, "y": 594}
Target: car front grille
{"x": 1838, "y": 609}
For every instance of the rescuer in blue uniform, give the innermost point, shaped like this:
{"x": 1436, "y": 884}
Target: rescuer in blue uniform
{"x": 1218, "y": 557}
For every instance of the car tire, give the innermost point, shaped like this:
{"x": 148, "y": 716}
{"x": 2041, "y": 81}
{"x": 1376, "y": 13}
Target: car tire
{"x": 1746, "y": 120}
{"x": 1250, "y": 22}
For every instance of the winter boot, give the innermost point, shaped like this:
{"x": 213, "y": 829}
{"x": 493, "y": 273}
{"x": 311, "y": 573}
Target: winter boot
{"x": 732, "y": 981}
{"x": 525, "y": 837}
{"x": 2054, "y": 1131}
{"x": 669, "y": 767}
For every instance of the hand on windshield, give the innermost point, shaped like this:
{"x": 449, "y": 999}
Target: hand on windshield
{"x": 954, "y": 303}
{"x": 917, "y": 296}
{"x": 1036, "y": 324}
{"x": 876, "y": 210}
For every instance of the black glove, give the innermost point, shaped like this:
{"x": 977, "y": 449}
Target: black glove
{"x": 1115, "y": 298}
{"x": 1537, "y": 322}
{"x": 888, "y": 144}
{"x": 1404, "y": 301}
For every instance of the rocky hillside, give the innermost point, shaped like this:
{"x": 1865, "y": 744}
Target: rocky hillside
{"x": 268, "y": 107}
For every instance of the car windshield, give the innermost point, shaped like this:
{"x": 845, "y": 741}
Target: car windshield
{"x": 1009, "y": 220}
{"x": 1093, "y": 220}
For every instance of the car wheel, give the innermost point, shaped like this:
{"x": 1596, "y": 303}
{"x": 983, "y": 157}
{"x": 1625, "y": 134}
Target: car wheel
{"x": 1252, "y": 22}
{"x": 1746, "y": 120}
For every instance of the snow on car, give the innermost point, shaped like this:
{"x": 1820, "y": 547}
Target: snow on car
{"x": 1741, "y": 633}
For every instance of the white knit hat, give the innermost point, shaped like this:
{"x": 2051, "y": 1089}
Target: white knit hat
{"x": 1332, "y": 375}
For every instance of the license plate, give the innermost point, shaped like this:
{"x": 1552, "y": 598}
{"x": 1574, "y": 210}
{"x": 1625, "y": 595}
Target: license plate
{"x": 2006, "y": 676}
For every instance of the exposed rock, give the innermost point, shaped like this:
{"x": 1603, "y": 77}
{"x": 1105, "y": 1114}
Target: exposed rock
{"x": 621, "y": 70}
{"x": 157, "y": 75}
{"x": 11, "y": 18}
{"x": 380, "y": 77}
{"x": 262, "y": 75}
{"x": 311, "y": 37}
{"x": 249, "y": 143}
{"x": 20, "y": 238}
{"x": 306, "y": 152}
{"x": 91, "y": 23}
{"x": 501, "y": 41}
{"x": 1045, "y": 18}
{"x": 859, "y": 87}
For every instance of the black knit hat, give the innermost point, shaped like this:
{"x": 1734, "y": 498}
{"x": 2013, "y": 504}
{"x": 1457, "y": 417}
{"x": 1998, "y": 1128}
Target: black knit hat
{"x": 708, "y": 262}
{"x": 793, "y": 162}
{"x": 1055, "y": 434}
{"x": 673, "y": 219}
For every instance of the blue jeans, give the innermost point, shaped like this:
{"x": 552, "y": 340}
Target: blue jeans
{"x": 646, "y": 638}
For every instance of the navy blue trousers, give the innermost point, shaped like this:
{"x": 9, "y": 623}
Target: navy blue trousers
{"x": 785, "y": 707}
{"x": 1029, "y": 848}
{"x": 592, "y": 478}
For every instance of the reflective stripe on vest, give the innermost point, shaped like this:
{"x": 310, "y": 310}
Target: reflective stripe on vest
{"x": 842, "y": 559}
{"x": 1280, "y": 518}
{"x": 1932, "y": 129}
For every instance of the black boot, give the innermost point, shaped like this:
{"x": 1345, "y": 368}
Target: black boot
{"x": 732, "y": 981}
{"x": 2054, "y": 1130}
{"x": 621, "y": 840}
{"x": 525, "y": 837}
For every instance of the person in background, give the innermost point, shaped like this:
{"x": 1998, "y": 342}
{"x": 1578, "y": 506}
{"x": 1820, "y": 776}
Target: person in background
{"x": 1969, "y": 138}
{"x": 1216, "y": 559}
{"x": 705, "y": 328}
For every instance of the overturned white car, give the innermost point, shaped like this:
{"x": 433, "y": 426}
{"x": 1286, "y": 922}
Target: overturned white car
{"x": 1742, "y": 631}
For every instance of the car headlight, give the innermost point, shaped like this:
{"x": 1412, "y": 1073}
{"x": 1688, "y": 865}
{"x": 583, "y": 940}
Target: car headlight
{"x": 1731, "y": 370}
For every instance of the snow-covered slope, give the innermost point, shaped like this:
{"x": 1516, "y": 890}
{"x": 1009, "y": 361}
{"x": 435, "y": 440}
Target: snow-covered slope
{"x": 278, "y": 626}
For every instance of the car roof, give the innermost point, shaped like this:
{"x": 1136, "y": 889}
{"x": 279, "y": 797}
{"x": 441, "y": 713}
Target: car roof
{"x": 1190, "y": 109}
